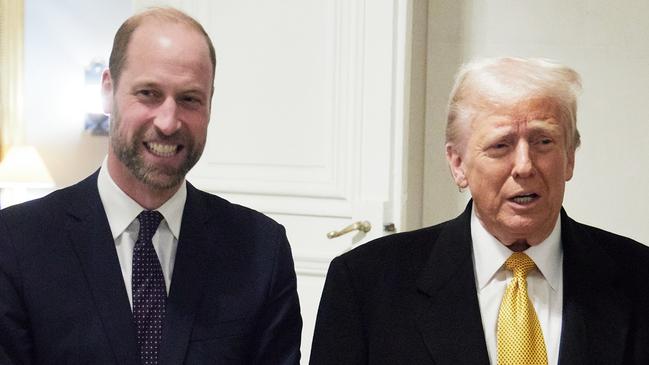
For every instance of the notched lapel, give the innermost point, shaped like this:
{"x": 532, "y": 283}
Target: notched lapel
{"x": 187, "y": 283}
{"x": 90, "y": 236}
{"x": 596, "y": 312}
{"x": 450, "y": 322}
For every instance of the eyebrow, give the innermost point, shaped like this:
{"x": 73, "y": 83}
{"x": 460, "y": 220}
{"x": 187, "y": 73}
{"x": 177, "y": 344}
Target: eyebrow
{"x": 156, "y": 85}
{"x": 548, "y": 124}
{"x": 533, "y": 127}
{"x": 148, "y": 84}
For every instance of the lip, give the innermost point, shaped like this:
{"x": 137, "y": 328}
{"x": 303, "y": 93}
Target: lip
{"x": 524, "y": 200}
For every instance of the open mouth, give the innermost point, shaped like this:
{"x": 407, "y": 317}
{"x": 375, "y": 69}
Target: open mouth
{"x": 163, "y": 150}
{"x": 524, "y": 198}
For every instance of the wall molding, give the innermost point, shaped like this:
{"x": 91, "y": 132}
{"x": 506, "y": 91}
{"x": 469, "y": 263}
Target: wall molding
{"x": 11, "y": 73}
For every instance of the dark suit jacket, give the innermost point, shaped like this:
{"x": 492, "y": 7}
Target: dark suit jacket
{"x": 411, "y": 298}
{"x": 232, "y": 298}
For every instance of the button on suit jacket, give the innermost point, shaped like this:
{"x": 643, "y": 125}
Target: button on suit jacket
{"x": 232, "y": 298}
{"x": 411, "y": 298}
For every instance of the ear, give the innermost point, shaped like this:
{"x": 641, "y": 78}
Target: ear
{"x": 107, "y": 91}
{"x": 570, "y": 164}
{"x": 456, "y": 164}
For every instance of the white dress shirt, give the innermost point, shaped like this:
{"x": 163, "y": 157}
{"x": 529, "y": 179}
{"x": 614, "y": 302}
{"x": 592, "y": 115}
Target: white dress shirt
{"x": 545, "y": 284}
{"x": 122, "y": 212}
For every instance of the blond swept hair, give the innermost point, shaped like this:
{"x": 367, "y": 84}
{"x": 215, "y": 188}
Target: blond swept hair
{"x": 489, "y": 84}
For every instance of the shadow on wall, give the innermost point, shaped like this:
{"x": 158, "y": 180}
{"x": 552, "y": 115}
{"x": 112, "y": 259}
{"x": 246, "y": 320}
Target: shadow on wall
{"x": 446, "y": 32}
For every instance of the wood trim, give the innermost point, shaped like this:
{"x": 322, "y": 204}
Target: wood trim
{"x": 11, "y": 72}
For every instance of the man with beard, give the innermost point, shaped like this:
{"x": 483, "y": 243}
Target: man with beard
{"x": 133, "y": 265}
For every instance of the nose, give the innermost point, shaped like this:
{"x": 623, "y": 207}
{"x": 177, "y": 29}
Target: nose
{"x": 166, "y": 119}
{"x": 523, "y": 164}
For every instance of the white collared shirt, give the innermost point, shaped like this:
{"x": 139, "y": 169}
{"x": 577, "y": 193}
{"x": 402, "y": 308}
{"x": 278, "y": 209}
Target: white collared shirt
{"x": 122, "y": 212}
{"x": 545, "y": 284}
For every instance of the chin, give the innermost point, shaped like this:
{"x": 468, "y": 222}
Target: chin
{"x": 161, "y": 181}
{"x": 530, "y": 230}
{"x": 520, "y": 226}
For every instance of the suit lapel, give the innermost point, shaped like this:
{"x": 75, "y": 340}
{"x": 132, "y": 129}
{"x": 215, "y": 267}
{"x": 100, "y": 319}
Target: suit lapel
{"x": 188, "y": 278}
{"x": 596, "y": 313}
{"x": 89, "y": 233}
{"x": 450, "y": 321}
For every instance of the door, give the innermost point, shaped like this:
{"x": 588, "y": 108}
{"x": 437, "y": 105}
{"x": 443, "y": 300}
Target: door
{"x": 307, "y": 121}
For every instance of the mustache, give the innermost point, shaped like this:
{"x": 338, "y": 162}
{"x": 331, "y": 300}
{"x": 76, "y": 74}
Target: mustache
{"x": 179, "y": 137}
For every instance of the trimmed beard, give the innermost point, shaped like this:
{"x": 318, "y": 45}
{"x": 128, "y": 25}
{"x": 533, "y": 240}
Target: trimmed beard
{"x": 156, "y": 177}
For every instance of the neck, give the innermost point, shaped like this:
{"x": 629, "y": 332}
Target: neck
{"x": 519, "y": 246}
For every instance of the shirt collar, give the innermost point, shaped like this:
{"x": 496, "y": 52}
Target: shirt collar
{"x": 121, "y": 210}
{"x": 489, "y": 254}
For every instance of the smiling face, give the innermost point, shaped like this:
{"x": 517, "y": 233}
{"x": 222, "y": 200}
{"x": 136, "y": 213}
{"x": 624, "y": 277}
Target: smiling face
{"x": 159, "y": 109}
{"x": 515, "y": 161}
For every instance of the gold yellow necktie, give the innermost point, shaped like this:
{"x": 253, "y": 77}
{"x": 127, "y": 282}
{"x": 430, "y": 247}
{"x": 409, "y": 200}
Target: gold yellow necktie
{"x": 520, "y": 338}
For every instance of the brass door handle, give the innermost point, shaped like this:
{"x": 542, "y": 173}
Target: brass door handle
{"x": 363, "y": 226}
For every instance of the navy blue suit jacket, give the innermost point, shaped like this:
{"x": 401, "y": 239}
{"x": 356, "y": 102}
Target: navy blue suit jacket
{"x": 411, "y": 298}
{"x": 232, "y": 299}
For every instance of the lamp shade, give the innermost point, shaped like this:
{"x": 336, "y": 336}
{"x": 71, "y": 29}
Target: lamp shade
{"x": 23, "y": 167}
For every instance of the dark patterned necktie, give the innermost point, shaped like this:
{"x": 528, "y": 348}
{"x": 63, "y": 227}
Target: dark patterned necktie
{"x": 149, "y": 293}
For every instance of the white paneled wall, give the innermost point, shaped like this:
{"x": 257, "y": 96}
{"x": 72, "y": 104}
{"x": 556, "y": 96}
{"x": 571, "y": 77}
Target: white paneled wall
{"x": 308, "y": 119}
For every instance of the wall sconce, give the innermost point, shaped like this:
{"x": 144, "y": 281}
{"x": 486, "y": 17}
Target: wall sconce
{"x": 22, "y": 170}
{"x": 96, "y": 122}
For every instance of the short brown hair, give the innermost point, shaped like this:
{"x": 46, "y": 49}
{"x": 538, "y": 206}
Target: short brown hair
{"x": 123, "y": 36}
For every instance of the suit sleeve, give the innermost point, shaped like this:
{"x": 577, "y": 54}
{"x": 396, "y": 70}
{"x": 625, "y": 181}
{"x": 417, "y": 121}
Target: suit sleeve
{"x": 15, "y": 336}
{"x": 339, "y": 334}
{"x": 639, "y": 334}
{"x": 280, "y": 324}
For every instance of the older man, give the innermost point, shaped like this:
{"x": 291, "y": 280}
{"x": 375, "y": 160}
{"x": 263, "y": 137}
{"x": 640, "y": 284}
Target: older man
{"x": 134, "y": 265}
{"x": 513, "y": 280}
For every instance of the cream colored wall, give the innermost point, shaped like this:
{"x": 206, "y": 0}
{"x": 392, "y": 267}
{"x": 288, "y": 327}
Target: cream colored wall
{"x": 603, "y": 40}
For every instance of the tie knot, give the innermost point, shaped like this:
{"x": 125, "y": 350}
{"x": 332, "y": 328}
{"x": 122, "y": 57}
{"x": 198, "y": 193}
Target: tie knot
{"x": 149, "y": 222}
{"x": 520, "y": 264}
